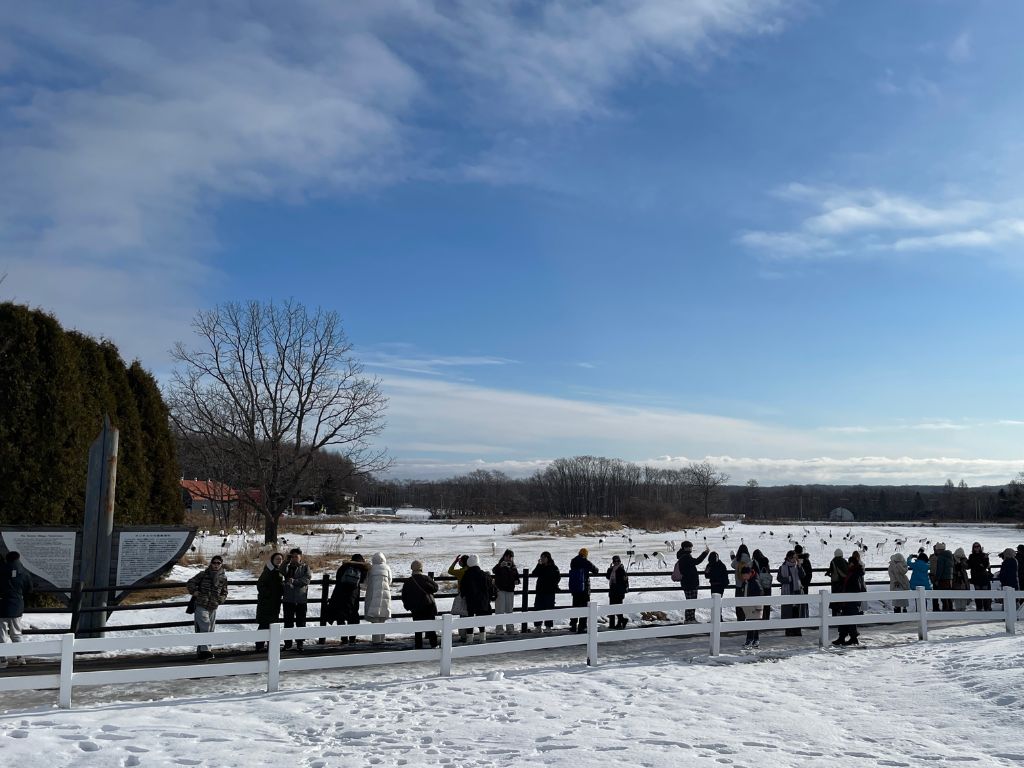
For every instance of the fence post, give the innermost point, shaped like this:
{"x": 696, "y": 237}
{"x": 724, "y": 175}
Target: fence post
{"x": 1010, "y": 609}
{"x": 824, "y": 610}
{"x": 274, "y": 658}
{"x": 76, "y": 606}
{"x": 716, "y": 624}
{"x": 592, "y": 634}
{"x": 325, "y": 588}
{"x": 922, "y": 614}
{"x": 526, "y": 599}
{"x": 446, "y": 645}
{"x": 67, "y": 669}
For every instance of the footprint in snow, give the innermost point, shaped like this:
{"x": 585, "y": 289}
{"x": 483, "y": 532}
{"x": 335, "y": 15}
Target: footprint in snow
{"x": 18, "y": 734}
{"x": 89, "y": 746}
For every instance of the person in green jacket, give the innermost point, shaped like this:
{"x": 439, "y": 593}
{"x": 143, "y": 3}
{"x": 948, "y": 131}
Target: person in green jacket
{"x": 269, "y": 591}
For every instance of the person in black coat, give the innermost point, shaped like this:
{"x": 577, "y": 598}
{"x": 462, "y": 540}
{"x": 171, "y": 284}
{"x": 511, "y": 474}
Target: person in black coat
{"x": 580, "y": 571}
{"x": 547, "y": 575}
{"x": 15, "y": 586}
{"x": 853, "y": 583}
{"x": 717, "y": 574}
{"x": 981, "y": 574}
{"x": 343, "y": 607}
{"x": 749, "y": 588}
{"x": 477, "y": 589}
{"x": 806, "y": 575}
{"x": 618, "y": 585}
{"x": 418, "y": 599}
{"x": 689, "y": 579}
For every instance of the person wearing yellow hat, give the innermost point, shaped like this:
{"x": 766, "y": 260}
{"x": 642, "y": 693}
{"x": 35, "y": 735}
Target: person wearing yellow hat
{"x": 580, "y": 571}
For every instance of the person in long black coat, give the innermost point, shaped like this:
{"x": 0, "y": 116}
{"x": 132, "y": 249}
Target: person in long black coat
{"x": 853, "y": 583}
{"x": 418, "y": 598}
{"x": 689, "y": 578}
{"x": 547, "y": 575}
{"x": 580, "y": 571}
{"x": 981, "y": 574}
{"x": 269, "y": 591}
{"x": 477, "y": 589}
{"x": 343, "y": 606}
{"x": 618, "y": 586}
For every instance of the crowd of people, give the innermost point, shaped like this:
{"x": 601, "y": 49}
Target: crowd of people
{"x": 283, "y": 585}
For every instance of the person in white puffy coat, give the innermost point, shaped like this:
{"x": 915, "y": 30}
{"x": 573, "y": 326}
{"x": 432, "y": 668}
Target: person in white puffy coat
{"x": 898, "y": 580}
{"x": 377, "y": 602}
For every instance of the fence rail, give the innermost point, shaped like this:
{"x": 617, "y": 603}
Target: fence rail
{"x": 68, "y": 646}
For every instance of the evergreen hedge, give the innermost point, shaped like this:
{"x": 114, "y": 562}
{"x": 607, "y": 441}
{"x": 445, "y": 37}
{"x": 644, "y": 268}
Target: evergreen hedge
{"x": 55, "y": 387}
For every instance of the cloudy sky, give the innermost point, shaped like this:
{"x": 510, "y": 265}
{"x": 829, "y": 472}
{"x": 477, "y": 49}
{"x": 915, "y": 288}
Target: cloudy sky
{"x": 788, "y": 236}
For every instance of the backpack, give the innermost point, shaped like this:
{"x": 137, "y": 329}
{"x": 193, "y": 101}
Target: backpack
{"x": 492, "y": 588}
{"x": 578, "y": 580}
{"x": 764, "y": 580}
{"x": 350, "y": 577}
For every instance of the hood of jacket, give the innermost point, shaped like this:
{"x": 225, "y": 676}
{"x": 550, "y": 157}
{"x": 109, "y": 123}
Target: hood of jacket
{"x": 378, "y": 559}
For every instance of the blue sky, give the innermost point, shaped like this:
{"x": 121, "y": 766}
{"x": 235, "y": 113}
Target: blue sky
{"x": 783, "y": 235}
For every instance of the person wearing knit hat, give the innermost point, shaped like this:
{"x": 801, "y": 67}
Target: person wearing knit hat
{"x": 837, "y": 571}
{"x": 961, "y": 578}
{"x": 941, "y": 572}
{"x": 418, "y": 598}
{"x": 477, "y": 590}
{"x": 506, "y": 577}
{"x": 580, "y": 571}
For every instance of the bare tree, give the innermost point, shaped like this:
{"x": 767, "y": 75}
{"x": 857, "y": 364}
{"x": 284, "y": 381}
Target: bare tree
{"x": 268, "y": 387}
{"x": 704, "y": 478}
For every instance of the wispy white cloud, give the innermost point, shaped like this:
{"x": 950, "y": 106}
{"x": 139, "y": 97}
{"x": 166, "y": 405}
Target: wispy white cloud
{"x": 127, "y": 125}
{"x": 839, "y": 222}
{"x": 407, "y": 361}
{"x": 960, "y": 50}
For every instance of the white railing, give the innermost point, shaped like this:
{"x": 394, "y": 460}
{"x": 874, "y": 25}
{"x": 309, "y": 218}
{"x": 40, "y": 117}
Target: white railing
{"x": 445, "y": 625}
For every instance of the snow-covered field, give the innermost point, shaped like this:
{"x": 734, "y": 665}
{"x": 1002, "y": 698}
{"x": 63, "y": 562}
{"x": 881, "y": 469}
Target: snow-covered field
{"x": 895, "y": 701}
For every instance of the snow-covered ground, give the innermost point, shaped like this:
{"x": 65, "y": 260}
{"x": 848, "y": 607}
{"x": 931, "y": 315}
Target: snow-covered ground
{"x": 894, "y": 701}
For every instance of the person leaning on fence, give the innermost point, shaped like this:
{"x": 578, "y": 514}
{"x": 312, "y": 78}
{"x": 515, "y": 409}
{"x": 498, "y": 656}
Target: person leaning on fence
{"x": 210, "y": 590}
{"x": 961, "y": 578}
{"x": 789, "y": 578}
{"x": 853, "y": 584}
{"x": 506, "y": 577}
{"x": 478, "y": 590}
{"x": 836, "y": 572}
{"x": 717, "y": 574}
{"x": 749, "y": 588}
{"x": 458, "y": 569}
{"x": 418, "y": 599}
{"x": 981, "y": 575}
{"x": 269, "y": 591}
{"x": 806, "y": 574}
{"x": 1008, "y": 574}
{"x": 545, "y": 587}
{"x": 377, "y": 604}
{"x": 686, "y": 574}
{"x": 343, "y": 606}
{"x": 580, "y": 571}
{"x": 898, "y": 580}
{"x": 618, "y": 586}
{"x": 941, "y": 571}
{"x": 15, "y": 586}
{"x": 296, "y": 585}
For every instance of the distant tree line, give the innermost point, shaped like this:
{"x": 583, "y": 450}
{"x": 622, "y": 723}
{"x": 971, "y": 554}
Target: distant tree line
{"x": 55, "y": 387}
{"x": 594, "y": 486}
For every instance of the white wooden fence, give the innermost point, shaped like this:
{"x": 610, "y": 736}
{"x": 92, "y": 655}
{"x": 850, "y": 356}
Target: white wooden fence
{"x": 64, "y": 681}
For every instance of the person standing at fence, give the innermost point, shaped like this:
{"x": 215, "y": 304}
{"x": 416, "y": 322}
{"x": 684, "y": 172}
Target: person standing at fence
{"x": 789, "y": 578}
{"x": 853, "y": 584}
{"x": 764, "y": 579}
{"x": 418, "y": 599}
{"x": 749, "y": 588}
{"x": 343, "y": 606}
{"x": 506, "y": 577}
{"x": 836, "y": 572}
{"x": 618, "y": 586}
{"x": 296, "y": 585}
{"x": 580, "y": 571}
{"x": 478, "y": 590}
{"x": 269, "y": 592}
{"x": 687, "y": 576}
{"x": 1008, "y": 574}
{"x": 898, "y": 580}
{"x": 806, "y": 573}
{"x": 545, "y": 588}
{"x": 717, "y": 574}
{"x": 377, "y": 605}
{"x": 981, "y": 575}
{"x": 961, "y": 578}
{"x": 210, "y": 589}
{"x": 739, "y": 559}
{"x": 941, "y": 571}
{"x": 457, "y": 569}
{"x": 15, "y": 586}
{"x": 918, "y": 565}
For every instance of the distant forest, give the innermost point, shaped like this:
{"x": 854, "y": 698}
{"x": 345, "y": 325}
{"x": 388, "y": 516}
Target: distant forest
{"x": 585, "y": 486}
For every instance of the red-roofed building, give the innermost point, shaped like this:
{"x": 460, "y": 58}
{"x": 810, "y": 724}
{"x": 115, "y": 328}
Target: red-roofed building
{"x": 208, "y": 495}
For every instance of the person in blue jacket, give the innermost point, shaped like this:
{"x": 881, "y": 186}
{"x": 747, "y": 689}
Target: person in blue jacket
{"x": 918, "y": 565}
